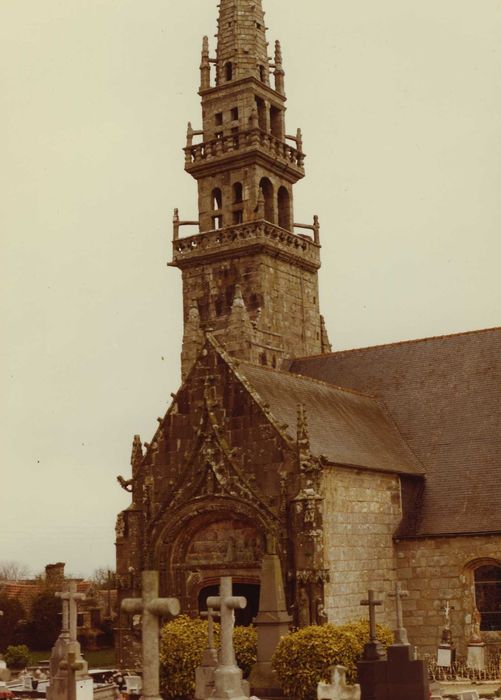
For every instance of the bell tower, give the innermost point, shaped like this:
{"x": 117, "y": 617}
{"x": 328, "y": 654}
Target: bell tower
{"x": 250, "y": 271}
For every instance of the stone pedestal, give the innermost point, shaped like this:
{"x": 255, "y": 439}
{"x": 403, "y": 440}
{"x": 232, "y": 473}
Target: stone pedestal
{"x": 476, "y": 656}
{"x": 446, "y": 655}
{"x": 272, "y": 623}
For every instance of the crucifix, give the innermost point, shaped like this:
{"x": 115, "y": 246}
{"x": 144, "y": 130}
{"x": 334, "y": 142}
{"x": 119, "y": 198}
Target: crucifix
{"x": 70, "y": 597}
{"x": 446, "y": 632}
{"x": 151, "y": 608}
{"x": 373, "y": 651}
{"x": 227, "y": 676}
{"x": 400, "y": 633}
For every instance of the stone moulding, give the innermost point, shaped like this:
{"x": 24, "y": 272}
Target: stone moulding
{"x": 236, "y": 240}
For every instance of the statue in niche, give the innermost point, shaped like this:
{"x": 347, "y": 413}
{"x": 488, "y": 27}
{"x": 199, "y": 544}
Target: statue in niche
{"x": 476, "y": 619}
{"x": 303, "y": 613}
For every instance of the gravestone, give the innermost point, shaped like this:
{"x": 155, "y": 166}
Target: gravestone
{"x": 204, "y": 674}
{"x": 399, "y": 676}
{"x": 338, "y": 689}
{"x": 272, "y": 623}
{"x": 228, "y": 682}
{"x": 400, "y": 633}
{"x": 71, "y": 680}
{"x": 151, "y": 608}
{"x": 446, "y": 653}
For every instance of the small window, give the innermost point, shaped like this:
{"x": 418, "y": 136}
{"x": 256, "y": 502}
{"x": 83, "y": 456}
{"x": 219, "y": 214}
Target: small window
{"x": 488, "y": 596}
{"x": 234, "y": 114}
{"x": 217, "y": 198}
{"x": 262, "y": 359}
{"x": 219, "y": 118}
{"x": 238, "y": 217}
{"x": 228, "y": 71}
{"x": 219, "y": 134}
{"x": 217, "y": 222}
{"x": 237, "y": 193}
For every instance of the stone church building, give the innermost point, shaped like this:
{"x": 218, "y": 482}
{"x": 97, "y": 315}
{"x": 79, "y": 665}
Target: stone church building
{"x": 361, "y": 467}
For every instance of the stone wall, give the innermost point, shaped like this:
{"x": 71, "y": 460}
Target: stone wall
{"x": 434, "y": 570}
{"x": 361, "y": 512}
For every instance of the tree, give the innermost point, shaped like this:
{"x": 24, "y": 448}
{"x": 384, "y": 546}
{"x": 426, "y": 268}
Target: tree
{"x": 13, "y": 613}
{"x": 13, "y": 571}
{"x": 45, "y": 620}
{"x": 104, "y": 578}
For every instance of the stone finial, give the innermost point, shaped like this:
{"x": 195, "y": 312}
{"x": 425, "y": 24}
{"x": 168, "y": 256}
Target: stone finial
{"x": 175, "y": 225}
{"x": 279, "y": 71}
{"x": 326, "y": 345}
{"x": 278, "y": 53}
{"x": 205, "y": 65}
{"x": 136, "y": 455}
{"x": 303, "y": 437}
{"x": 299, "y": 140}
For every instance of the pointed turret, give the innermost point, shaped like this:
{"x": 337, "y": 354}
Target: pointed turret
{"x": 241, "y": 42}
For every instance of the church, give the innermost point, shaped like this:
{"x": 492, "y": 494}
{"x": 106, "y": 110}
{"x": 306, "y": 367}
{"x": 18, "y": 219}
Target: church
{"x": 360, "y": 467}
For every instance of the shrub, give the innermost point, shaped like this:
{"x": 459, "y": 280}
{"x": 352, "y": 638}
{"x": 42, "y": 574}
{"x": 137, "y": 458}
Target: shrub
{"x": 183, "y": 642}
{"x": 304, "y": 658}
{"x": 245, "y": 643}
{"x": 10, "y": 627}
{"x": 17, "y": 656}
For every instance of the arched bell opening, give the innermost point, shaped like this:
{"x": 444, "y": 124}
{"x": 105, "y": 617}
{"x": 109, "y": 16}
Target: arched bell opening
{"x": 269, "y": 203}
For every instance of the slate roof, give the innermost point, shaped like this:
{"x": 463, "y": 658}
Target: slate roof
{"x": 347, "y": 427}
{"x": 445, "y": 396}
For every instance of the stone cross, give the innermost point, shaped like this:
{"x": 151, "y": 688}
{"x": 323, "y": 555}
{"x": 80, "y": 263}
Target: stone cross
{"x": 447, "y": 614}
{"x": 227, "y": 676}
{"x": 372, "y": 603}
{"x": 210, "y": 654}
{"x": 373, "y": 651}
{"x": 400, "y": 632}
{"x": 151, "y": 608}
{"x": 70, "y": 598}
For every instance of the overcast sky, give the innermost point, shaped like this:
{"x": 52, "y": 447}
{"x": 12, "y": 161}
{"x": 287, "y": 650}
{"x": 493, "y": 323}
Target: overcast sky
{"x": 400, "y": 106}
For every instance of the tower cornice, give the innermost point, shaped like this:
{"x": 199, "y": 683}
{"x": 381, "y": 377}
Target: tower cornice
{"x": 246, "y": 239}
{"x": 247, "y": 81}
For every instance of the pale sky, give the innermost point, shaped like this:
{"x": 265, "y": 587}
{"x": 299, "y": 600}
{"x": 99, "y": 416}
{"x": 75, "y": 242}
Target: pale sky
{"x": 400, "y": 106}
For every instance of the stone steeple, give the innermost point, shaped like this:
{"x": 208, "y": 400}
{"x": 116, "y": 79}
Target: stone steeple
{"x": 246, "y": 166}
{"x": 242, "y": 50}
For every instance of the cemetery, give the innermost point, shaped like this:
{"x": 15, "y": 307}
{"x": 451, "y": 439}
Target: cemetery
{"x": 362, "y": 662}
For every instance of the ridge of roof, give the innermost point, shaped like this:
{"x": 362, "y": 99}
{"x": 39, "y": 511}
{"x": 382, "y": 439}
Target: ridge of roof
{"x": 397, "y": 343}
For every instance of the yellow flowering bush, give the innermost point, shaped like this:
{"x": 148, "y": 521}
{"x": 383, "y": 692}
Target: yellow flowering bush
{"x": 182, "y": 644}
{"x": 304, "y": 658}
{"x": 245, "y": 643}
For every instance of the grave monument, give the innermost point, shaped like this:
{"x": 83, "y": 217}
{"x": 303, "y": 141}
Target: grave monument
{"x": 446, "y": 654}
{"x": 204, "y": 674}
{"x": 228, "y": 681}
{"x": 272, "y": 623}
{"x": 71, "y": 680}
{"x": 151, "y": 608}
{"x": 399, "y": 676}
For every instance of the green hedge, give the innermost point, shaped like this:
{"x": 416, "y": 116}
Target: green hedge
{"x": 183, "y": 642}
{"x": 304, "y": 658}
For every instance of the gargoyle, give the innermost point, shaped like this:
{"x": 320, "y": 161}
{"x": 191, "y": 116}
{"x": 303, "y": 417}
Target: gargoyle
{"x": 125, "y": 484}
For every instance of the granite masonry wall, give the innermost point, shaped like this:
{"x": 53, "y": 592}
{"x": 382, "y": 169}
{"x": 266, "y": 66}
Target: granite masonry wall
{"x": 361, "y": 512}
{"x": 438, "y": 569}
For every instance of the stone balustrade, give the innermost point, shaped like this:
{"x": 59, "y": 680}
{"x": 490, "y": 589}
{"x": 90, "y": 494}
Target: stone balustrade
{"x": 243, "y": 235}
{"x": 196, "y": 154}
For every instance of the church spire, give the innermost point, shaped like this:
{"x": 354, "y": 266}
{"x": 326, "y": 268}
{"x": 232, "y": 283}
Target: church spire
{"x": 242, "y": 49}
